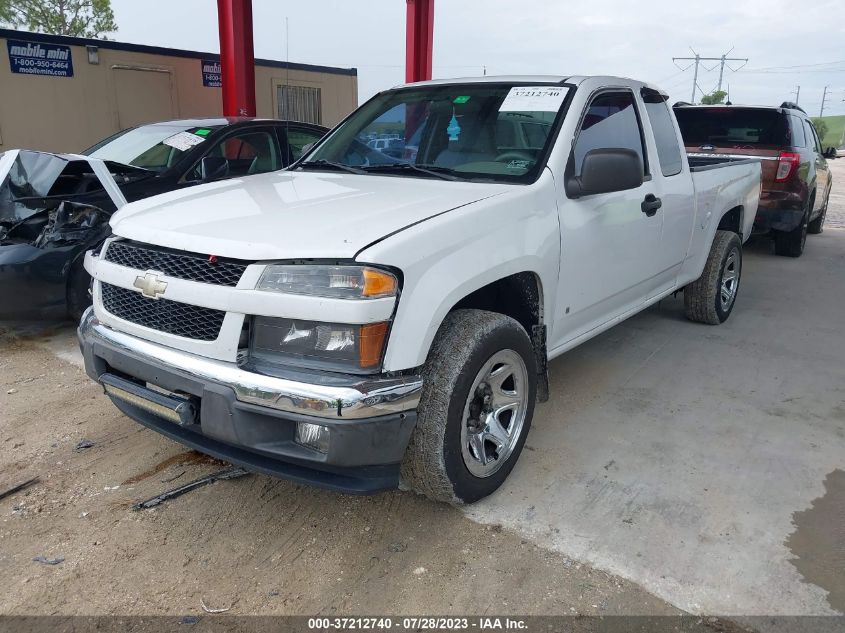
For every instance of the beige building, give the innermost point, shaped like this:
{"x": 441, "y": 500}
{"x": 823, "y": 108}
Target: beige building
{"x": 64, "y": 94}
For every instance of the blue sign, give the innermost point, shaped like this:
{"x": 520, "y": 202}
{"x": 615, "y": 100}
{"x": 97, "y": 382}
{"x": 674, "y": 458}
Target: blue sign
{"x": 211, "y": 73}
{"x": 28, "y": 58}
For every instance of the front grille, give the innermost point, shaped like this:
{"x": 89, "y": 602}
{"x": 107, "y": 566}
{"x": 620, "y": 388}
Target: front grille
{"x": 190, "y": 266}
{"x": 164, "y": 315}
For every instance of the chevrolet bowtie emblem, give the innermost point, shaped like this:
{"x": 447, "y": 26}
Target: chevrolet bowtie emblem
{"x": 150, "y": 285}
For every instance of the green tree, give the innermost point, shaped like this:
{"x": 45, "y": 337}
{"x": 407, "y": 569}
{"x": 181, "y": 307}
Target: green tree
{"x": 717, "y": 96}
{"x": 80, "y": 18}
{"x": 821, "y": 128}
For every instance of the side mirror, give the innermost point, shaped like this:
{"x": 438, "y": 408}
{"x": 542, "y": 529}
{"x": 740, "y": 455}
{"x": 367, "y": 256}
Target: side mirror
{"x": 605, "y": 171}
{"x": 214, "y": 168}
{"x": 830, "y": 152}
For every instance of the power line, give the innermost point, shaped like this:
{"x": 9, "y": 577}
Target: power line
{"x": 696, "y": 61}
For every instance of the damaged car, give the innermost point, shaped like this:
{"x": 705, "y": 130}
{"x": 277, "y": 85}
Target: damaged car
{"x": 55, "y": 207}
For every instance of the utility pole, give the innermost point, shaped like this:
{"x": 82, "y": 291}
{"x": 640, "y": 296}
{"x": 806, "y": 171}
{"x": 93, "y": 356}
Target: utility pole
{"x": 723, "y": 60}
{"x": 824, "y": 96}
{"x": 797, "y": 94}
{"x": 695, "y": 77}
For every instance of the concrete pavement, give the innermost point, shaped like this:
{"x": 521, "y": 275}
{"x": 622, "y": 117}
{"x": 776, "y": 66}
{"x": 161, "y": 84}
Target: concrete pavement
{"x": 675, "y": 454}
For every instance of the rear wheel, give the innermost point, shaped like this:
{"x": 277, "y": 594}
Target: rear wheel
{"x": 711, "y": 298}
{"x": 479, "y": 389}
{"x": 791, "y": 243}
{"x": 817, "y": 226}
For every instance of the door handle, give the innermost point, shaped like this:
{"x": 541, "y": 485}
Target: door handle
{"x": 651, "y": 204}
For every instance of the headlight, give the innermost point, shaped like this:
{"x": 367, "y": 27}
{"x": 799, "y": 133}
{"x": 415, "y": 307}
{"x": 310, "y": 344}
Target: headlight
{"x": 337, "y": 346}
{"x": 339, "y": 282}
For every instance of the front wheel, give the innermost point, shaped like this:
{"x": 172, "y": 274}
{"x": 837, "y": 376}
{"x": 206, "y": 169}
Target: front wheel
{"x": 479, "y": 389}
{"x": 710, "y": 298}
{"x": 78, "y": 291}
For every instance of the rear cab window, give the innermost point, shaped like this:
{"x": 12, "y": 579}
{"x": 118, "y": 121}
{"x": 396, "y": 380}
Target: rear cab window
{"x": 665, "y": 137}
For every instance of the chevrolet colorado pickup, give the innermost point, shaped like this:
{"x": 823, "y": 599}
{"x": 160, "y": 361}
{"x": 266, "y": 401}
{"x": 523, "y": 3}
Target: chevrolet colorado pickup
{"x": 361, "y": 320}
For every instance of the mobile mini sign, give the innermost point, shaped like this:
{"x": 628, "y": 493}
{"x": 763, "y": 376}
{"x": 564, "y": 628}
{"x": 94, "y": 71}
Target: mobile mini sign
{"x": 28, "y": 58}
{"x": 211, "y": 73}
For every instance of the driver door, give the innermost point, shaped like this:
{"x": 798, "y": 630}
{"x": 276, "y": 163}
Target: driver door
{"x": 609, "y": 245}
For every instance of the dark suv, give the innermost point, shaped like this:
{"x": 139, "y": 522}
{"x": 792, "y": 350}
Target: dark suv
{"x": 796, "y": 180}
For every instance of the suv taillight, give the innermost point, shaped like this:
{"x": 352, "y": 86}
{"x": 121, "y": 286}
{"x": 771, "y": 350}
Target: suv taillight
{"x": 787, "y": 165}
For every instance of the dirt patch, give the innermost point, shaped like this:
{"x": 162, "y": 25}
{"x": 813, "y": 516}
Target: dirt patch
{"x": 263, "y": 545}
{"x": 818, "y": 541}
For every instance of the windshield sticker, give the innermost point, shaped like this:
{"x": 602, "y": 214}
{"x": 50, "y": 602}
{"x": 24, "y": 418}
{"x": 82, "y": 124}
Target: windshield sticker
{"x": 454, "y": 129}
{"x": 461, "y": 99}
{"x": 202, "y": 132}
{"x": 519, "y": 164}
{"x": 533, "y": 99}
{"x": 183, "y": 141}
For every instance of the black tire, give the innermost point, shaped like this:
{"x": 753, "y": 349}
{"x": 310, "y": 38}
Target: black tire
{"x": 78, "y": 287}
{"x": 817, "y": 226}
{"x": 703, "y": 297}
{"x": 791, "y": 243}
{"x": 434, "y": 464}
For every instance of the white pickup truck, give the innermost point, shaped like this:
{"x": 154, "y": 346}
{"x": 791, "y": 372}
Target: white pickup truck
{"x": 362, "y": 319}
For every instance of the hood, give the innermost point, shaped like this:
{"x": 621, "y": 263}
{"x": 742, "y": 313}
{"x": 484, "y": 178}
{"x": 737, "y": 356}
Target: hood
{"x": 292, "y": 214}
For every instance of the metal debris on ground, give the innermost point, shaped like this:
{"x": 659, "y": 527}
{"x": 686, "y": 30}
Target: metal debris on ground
{"x": 49, "y": 561}
{"x": 208, "y": 609}
{"x": 18, "y": 488}
{"x": 83, "y": 444}
{"x": 170, "y": 479}
{"x": 222, "y": 475}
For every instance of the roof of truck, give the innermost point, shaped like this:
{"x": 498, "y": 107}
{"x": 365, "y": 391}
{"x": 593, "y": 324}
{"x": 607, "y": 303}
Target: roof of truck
{"x": 539, "y": 79}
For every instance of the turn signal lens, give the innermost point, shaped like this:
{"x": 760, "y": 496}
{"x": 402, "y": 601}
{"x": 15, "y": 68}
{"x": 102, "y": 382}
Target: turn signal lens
{"x": 371, "y": 344}
{"x": 378, "y": 283}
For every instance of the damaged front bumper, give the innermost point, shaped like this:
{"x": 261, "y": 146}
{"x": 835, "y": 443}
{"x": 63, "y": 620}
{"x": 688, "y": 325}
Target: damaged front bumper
{"x": 251, "y": 419}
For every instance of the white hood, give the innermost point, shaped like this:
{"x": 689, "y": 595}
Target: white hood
{"x": 292, "y": 215}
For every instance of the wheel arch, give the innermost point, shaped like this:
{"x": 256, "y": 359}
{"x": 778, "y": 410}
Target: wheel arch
{"x": 732, "y": 220}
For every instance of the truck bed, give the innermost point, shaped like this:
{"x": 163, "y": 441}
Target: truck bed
{"x": 703, "y": 162}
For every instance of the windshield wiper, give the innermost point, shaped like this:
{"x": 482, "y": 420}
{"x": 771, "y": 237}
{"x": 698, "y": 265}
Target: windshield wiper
{"x": 331, "y": 165}
{"x": 432, "y": 170}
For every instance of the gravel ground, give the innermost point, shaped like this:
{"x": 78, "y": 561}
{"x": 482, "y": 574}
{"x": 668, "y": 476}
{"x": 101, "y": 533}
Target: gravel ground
{"x": 255, "y": 544}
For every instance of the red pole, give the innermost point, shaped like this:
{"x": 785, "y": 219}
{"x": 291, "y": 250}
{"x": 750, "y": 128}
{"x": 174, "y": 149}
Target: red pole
{"x": 419, "y": 40}
{"x": 237, "y": 57}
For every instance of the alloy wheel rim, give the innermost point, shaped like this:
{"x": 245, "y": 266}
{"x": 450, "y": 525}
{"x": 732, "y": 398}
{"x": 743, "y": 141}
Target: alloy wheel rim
{"x": 494, "y": 414}
{"x": 730, "y": 279}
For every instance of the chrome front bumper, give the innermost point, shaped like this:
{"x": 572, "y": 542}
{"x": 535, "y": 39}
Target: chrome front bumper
{"x": 361, "y": 397}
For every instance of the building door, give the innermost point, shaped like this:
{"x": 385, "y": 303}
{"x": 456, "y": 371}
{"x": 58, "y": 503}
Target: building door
{"x": 143, "y": 95}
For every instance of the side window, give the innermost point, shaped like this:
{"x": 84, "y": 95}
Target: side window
{"x": 247, "y": 152}
{"x": 611, "y": 121}
{"x": 814, "y": 137}
{"x": 298, "y": 138}
{"x": 797, "y": 132}
{"x": 665, "y": 137}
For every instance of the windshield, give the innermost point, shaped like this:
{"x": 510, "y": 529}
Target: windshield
{"x": 486, "y": 131}
{"x": 155, "y": 147}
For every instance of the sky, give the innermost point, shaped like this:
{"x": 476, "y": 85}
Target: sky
{"x": 787, "y": 43}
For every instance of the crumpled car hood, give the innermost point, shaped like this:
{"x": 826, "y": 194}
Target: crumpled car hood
{"x": 292, "y": 214}
{"x": 29, "y": 177}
